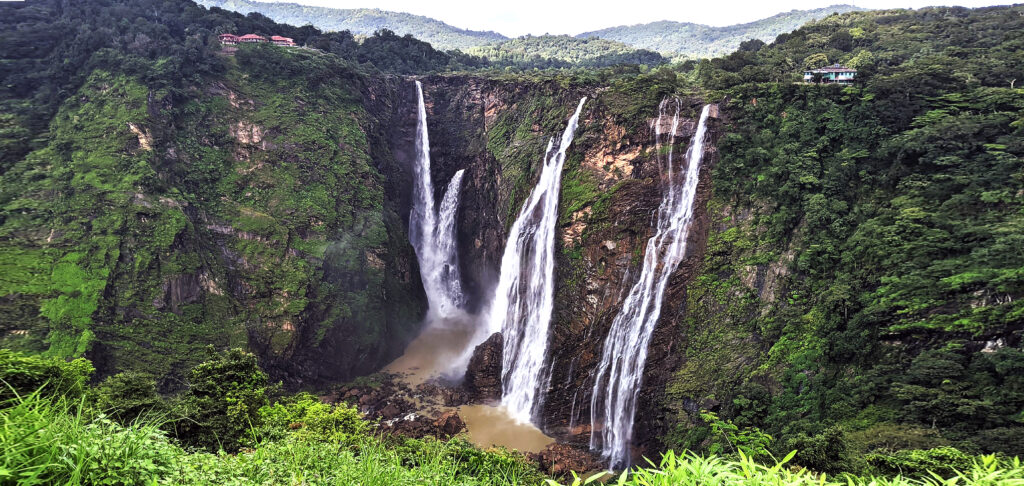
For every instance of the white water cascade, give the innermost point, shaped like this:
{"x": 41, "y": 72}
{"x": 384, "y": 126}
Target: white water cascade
{"x": 432, "y": 231}
{"x": 619, "y": 374}
{"x": 524, "y": 298}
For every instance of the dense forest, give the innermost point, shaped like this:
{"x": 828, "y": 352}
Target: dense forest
{"x": 562, "y": 51}
{"x": 894, "y": 209}
{"x": 856, "y": 314}
{"x": 692, "y": 41}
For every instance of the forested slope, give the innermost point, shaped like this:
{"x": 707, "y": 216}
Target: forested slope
{"x": 160, "y": 194}
{"x": 562, "y": 51}
{"x": 691, "y": 40}
{"x": 363, "y": 21}
{"x": 862, "y": 289}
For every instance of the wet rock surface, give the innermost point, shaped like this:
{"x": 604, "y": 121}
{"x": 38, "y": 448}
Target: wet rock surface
{"x": 483, "y": 375}
{"x": 602, "y": 276}
{"x": 562, "y": 459}
{"x": 403, "y": 410}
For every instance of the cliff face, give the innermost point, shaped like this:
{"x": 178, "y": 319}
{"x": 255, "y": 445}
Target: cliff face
{"x": 271, "y": 213}
{"x": 603, "y": 264}
{"x": 254, "y": 210}
{"x": 611, "y": 191}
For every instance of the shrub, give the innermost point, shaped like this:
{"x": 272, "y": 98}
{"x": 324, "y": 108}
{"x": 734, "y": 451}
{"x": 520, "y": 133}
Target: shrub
{"x": 466, "y": 461}
{"x": 22, "y": 375}
{"x": 727, "y": 438}
{"x": 127, "y": 396}
{"x": 827, "y": 452}
{"x": 944, "y": 461}
{"x": 223, "y": 401}
{"x": 889, "y": 437}
{"x": 309, "y": 419}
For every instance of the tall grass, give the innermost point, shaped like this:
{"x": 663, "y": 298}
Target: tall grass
{"x": 368, "y": 462}
{"x": 693, "y": 470}
{"x": 54, "y": 441}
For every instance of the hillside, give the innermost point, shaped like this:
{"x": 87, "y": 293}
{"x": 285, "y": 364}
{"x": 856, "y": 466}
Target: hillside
{"x": 192, "y": 233}
{"x": 666, "y": 37}
{"x": 562, "y": 51}
{"x": 363, "y": 21}
{"x": 696, "y": 40}
{"x": 860, "y": 288}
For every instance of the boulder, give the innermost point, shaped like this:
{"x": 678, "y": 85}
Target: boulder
{"x": 562, "y": 459}
{"x": 449, "y": 424}
{"x": 483, "y": 375}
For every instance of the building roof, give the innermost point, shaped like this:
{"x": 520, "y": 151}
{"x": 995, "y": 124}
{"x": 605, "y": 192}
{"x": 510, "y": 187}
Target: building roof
{"x": 835, "y": 68}
{"x": 252, "y": 36}
{"x": 279, "y": 38}
{"x": 226, "y": 36}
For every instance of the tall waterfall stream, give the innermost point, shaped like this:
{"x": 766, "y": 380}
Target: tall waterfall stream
{"x": 523, "y": 299}
{"x": 620, "y": 372}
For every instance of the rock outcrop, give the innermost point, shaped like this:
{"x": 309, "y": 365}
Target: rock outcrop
{"x": 483, "y": 375}
{"x": 561, "y": 459}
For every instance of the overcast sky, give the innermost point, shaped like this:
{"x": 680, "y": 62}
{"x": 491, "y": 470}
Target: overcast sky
{"x": 519, "y": 17}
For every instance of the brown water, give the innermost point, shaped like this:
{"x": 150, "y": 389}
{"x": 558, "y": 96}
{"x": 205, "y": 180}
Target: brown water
{"x": 492, "y": 425}
{"x": 431, "y": 355}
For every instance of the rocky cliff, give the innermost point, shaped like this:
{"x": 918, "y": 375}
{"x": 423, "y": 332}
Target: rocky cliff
{"x": 496, "y": 131}
{"x": 259, "y": 209}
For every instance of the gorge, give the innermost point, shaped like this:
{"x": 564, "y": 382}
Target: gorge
{"x": 710, "y": 256}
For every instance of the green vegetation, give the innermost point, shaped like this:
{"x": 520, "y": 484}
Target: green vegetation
{"x": 859, "y": 301}
{"x": 50, "y": 436}
{"x": 686, "y": 40}
{"x": 363, "y": 22}
{"x": 862, "y": 292}
{"x": 693, "y": 469}
{"x": 562, "y": 51}
{"x": 183, "y": 196}
{"x": 53, "y": 438}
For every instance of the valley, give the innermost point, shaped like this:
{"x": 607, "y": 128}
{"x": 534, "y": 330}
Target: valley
{"x": 369, "y": 260}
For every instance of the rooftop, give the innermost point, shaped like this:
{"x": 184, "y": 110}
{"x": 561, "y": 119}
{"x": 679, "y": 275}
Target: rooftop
{"x": 835, "y": 68}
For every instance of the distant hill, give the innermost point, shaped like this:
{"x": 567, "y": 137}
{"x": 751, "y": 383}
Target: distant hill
{"x": 563, "y": 51}
{"x": 697, "y": 40}
{"x": 363, "y": 21}
{"x": 623, "y": 44}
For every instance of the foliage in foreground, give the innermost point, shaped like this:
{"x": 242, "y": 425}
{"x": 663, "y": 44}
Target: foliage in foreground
{"x": 121, "y": 432}
{"x": 692, "y": 469}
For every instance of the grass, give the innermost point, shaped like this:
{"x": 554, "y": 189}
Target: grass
{"x": 66, "y": 438}
{"x": 690, "y": 469}
{"x": 49, "y": 441}
{"x": 58, "y": 441}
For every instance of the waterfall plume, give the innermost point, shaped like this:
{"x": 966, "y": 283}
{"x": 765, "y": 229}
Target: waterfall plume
{"x": 620, "y": 372}
{"x": 432, "y": 231}
{"x": 524, "y": 297}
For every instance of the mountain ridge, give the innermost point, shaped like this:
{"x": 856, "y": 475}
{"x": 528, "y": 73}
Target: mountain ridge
{"x": 721, "y": 40}
{"x": 363, "y": 21}
{"x": 686, "y": 39}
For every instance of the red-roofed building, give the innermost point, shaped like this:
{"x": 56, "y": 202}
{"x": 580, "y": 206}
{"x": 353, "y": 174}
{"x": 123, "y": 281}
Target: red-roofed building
{"x": 249, "y": 38}
{"x": 282, "y": 41}
{"x": 229, "y": 39}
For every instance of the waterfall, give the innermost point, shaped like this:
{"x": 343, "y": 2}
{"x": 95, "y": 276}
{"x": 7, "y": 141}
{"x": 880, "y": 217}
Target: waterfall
{"x": 448, "y": 271}
{"x": 432, "y": 231}
{"x": 619, "y": 374}
{"x": 524, "y": 298}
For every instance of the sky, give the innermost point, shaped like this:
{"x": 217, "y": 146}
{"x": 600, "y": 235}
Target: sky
{"x": 519, "y": 17}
